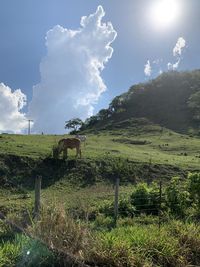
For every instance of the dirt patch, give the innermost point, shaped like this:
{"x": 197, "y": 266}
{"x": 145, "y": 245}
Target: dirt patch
{"x": 131, "y": 142}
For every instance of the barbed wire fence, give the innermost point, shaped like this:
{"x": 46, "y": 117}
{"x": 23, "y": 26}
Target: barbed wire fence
{"x": 140, "y": 208}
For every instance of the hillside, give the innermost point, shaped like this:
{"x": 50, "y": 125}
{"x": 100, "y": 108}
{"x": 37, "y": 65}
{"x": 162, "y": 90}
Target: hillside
{"x": 148, "y": 152}
{"x": 171, "y": 100}
{"x": 127, "y": 141}
{"x": 77, "y": 197}
{"x": 83, "y": 189}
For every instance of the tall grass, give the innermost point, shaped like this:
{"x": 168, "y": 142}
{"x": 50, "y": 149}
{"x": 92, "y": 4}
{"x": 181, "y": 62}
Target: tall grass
{"x": 176, "y": 244}
{"x": 59, "y": 231}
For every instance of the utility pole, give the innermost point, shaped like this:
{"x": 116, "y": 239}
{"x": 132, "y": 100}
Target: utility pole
{"x": 29, "y": 126}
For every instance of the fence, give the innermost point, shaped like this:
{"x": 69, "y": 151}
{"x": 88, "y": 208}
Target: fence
{"x": 141, "y": 207}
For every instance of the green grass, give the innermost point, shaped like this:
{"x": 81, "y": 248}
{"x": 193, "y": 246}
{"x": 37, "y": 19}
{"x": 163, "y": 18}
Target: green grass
{"x": 161, "y": 148}
{"x": 175, "y": 244}
{"x": 165, "y": 148}
{"x": 78, "y": 188}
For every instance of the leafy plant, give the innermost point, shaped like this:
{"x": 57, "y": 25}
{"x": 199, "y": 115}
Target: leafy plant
{"x": 177, "y": 197}
{"x": 145, "y": 199}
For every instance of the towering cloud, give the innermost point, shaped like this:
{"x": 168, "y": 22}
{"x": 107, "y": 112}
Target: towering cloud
{"x": 147, "y": 68}
{"x": 70, "y": 73}
{"x": 11, "y": 104}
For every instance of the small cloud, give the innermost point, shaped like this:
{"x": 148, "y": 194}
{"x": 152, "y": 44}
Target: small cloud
{"x": 147, "y": 68}
{"x": 180, "y": 44}
{"x": 157, "y": 61}
{"x": 177, "y": 52}
{"x": 11, "y": 104}
{"x": 174, "y": 66}
{"x": 71, "y": 81}
{"x": 169, "y": 66}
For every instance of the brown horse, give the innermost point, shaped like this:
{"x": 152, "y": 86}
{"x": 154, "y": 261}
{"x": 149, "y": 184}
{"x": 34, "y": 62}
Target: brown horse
{"x": 71, "y": 143}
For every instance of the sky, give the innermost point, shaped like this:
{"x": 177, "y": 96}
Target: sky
{"x": 62, "y": 59}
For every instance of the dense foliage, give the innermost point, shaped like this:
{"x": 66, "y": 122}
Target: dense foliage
{"x": 171, "y": 100}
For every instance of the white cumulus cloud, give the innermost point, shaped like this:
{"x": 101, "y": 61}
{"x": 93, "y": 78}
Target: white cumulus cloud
{"x": 71, "y": 81}
{"x": 11, "y": 104}
{"x": 177, "y": 52}
{"x": 147, "y": 68}
{"x": 180, "y": 44}
{"x": 174, "y": 66}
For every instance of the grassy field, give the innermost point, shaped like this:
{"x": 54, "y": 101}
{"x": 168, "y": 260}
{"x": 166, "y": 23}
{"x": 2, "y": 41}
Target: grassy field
{"x": 83, "y": 185}
{"x": 151, "y": 147}
{"x": 164, "y": 147}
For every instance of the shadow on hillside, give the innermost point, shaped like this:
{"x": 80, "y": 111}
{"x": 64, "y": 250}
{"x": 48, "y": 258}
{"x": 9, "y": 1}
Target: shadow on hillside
{"x": 20, "y": 172}
{"x": 53, "y": 170}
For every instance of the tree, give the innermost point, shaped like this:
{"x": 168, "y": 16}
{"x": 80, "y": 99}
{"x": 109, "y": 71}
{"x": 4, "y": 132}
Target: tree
{"x": 194, "y": 105}
{"x": 194, "y": 187}
{"x": 91, "y": 121}
{"x": 104, "y": 114}
{"x": 74, "y": 124}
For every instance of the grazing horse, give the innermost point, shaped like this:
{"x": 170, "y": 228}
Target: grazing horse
{"x": 82, "y": 138}
{"x": 71, "y": 143}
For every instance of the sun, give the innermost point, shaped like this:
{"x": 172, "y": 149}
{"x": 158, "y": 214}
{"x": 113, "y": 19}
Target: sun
{"x": 164, "y": 13}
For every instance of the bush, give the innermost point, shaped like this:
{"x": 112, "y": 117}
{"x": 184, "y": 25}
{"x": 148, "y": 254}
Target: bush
{"x": 177, "y": 197}
{"x": 145, "y": 199}
{"x": 125, "y": 208}
{"x": 194, "y": 187}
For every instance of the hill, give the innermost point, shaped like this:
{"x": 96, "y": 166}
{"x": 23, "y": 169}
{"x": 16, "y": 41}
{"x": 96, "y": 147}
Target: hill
{"x": 171, "y": 100}
{"x": 148, "y": 152}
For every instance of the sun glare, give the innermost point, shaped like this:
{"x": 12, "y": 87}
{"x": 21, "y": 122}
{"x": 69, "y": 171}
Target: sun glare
{"x": 164, "y": 13}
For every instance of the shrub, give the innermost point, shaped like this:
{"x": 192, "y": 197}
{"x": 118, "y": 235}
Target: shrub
{"x": 177, "y": 197}
{"x": 125, "y": 208}
{"x": 194, "y": 187}
{"x": 145, "y": 199}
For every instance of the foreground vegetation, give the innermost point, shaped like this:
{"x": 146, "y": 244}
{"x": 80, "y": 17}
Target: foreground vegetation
{"x": 131, "y": 244}
{"x": 83, "y": 227}
{"x": 148, "y": 232}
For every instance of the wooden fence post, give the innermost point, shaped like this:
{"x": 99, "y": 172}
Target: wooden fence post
{"x": 116, "y": 200}
{"x": 38, "y": 181}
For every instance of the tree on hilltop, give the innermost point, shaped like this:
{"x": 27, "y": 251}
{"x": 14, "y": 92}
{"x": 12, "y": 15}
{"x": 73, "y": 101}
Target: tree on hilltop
{"x": 74, "y": 124}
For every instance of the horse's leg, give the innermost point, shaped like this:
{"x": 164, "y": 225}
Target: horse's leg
{"x": 65, "y": 153}
{"x": 77, "y": 152}
{"x": 80, "y": 152}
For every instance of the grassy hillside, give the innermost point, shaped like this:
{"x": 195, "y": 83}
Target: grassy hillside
{"x": 146, "y": 144}
{"x": 148, "y": 151}
{"x": 148, "y": 154}
{"x": 134, "y": 150}
{"x": 171, "y": 100}
{"x": 78, "y": 197}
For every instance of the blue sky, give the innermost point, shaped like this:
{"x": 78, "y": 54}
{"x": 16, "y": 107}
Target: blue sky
{"x": 25, "y": 23}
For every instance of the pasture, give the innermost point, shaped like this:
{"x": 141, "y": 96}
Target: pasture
{"x": 83, "y": 186}
{"x": 167, "y": 151}
{"x": 167, "y": 147}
